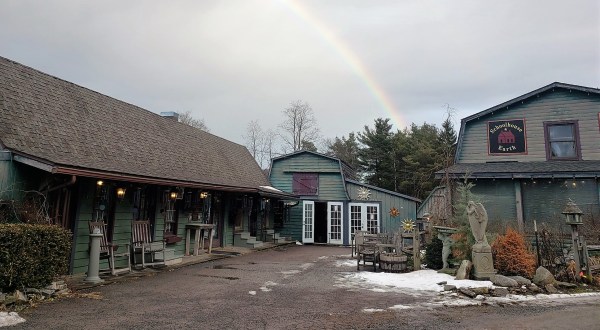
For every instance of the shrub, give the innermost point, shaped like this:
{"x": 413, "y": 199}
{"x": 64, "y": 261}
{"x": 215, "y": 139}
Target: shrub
{"x": 32, "y": 255}
{"x": 433, "y": 253}
{"x": 511, "y": 256}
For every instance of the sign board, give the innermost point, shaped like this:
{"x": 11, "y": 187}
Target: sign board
{"x": 507, "y": 137}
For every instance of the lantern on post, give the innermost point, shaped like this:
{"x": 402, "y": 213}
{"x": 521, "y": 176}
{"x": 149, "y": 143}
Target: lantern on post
{"x": 573, "y": 218}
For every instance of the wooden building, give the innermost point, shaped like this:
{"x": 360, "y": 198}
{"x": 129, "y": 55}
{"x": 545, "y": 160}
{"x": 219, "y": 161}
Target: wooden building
{"x": 528, "y": 156}
{"x": 91, "y": 157}
{"x": 333, "y": 204}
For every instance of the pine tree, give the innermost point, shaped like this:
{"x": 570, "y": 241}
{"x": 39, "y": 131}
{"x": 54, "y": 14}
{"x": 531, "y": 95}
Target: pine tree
{"x": 376, "y": 158}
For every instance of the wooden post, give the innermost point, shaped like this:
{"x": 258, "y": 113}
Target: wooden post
{"x": 519, "y": 206}
{"x": 416, "y": 249}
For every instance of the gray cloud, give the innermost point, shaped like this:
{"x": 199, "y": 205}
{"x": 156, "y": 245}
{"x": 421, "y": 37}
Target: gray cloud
{"x": 235, "y": 61}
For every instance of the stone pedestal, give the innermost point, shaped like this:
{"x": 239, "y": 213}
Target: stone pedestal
{"x": 483, "y": 265}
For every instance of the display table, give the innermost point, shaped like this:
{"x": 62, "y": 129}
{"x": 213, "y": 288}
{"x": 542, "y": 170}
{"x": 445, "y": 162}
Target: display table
{"x": 200, "y": 229}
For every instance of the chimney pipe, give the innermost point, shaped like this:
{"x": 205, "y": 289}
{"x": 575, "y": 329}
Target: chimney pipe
{"x": 170, "y": 115}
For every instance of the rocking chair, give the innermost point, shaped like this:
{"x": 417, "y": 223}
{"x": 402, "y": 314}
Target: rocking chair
{"x": 143, "y": 244}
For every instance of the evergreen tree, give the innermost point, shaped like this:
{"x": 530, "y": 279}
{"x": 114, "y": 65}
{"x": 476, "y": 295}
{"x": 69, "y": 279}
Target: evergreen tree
{"x": 375, "y": 156}
{"x": 345, "y": 149}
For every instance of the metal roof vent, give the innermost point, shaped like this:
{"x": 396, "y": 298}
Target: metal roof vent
{"x": 170, "y": 115}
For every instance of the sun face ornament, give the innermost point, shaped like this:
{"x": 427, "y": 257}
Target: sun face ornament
{"x": 394, "y": 212}
{"x": 408, "y": 225}
{"x": 364, "y": 193}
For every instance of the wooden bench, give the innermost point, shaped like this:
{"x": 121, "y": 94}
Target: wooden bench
{"x": 111, "y": 251}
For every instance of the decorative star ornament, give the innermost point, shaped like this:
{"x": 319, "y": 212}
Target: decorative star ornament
{"x": 394, "y": 212}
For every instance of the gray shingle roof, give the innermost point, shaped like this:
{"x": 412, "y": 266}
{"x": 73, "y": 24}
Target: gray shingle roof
{"x": 63, "y": 124}
{"x": 558, "y": 169}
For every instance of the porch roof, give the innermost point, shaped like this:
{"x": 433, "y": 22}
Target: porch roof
{"x": 70, "y": 129}
{"x": 510, "y": 170}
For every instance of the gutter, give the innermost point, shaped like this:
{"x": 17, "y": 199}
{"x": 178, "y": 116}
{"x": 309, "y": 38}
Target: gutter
{"x": 66, "y": 184}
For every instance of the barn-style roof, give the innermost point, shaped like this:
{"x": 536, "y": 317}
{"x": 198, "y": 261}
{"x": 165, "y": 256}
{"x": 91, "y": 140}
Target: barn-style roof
{"x": 59, "y": 126}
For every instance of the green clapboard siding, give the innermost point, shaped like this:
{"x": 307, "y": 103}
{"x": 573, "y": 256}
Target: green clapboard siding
{"x": 331, "y": 184}
{"x": 544, "y": 200}
{"x": 553, "y": 105}
{"x": 406, "y": 207}
{"x": 498, "y": 197}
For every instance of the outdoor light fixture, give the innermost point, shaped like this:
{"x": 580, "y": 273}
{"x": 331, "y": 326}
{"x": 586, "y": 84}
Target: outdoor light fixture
{"x": 572, "y": 213}
{"x": 120, "y": 193}
{"x": 203, "y": 194}
{"x": 173, "y": 195}
{"x": 99, "y": 183}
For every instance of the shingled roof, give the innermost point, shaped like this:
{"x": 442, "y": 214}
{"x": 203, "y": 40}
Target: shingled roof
{"x": 547, "y": 169}
{"x": 74, "y": 130}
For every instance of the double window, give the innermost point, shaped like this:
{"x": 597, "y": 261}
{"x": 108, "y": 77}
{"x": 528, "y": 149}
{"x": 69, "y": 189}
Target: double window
{"x": 562, "y": 140}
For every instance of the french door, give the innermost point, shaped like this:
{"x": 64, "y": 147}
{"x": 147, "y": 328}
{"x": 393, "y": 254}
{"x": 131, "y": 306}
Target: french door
{"x": 335, "y": 229}
{"x": 365, "y": 217}
{"x": 308, "y": 222}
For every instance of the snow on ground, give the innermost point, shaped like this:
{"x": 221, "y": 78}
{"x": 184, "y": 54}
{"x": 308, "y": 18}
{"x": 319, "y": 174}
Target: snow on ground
{"x": 423, "y": 283}
{"x": 12, "y": 318}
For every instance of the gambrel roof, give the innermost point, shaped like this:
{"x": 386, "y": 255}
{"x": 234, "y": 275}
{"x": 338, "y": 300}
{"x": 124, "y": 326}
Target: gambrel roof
{"x": 65, "y": 128}
{"x": 516, "y": 100}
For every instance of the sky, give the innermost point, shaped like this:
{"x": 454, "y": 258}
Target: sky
{"x": 231, "y": 62}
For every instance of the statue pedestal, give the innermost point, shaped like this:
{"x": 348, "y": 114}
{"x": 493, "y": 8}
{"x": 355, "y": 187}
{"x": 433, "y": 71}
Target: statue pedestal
{"x": 483, "y": 265}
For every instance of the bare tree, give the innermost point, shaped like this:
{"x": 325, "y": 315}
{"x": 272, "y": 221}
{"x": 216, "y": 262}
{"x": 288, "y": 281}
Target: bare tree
{"x": 188, "y": 119}
{"x": 260, "y": 143}
{"x": 254, "y": 139}
{"x": 299, "y": 125}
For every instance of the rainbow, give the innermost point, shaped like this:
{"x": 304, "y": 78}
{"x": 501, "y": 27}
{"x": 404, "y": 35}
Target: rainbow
{"x": 350, "y": 58}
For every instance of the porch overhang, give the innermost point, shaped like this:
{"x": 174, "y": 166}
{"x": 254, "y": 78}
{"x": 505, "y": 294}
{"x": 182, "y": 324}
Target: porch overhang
{"x": 523, "y": 170}
{"x": 268, "y": 191}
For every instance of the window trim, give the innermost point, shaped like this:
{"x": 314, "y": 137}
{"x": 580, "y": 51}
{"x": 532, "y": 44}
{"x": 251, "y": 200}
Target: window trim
{"x": 575, "y": 124}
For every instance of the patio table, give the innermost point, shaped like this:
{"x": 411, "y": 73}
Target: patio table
{"x": 200, "y": 229}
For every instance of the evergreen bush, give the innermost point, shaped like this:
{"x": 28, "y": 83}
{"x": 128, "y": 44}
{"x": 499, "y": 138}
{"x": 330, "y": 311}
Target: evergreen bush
{"x": 32, "y": 255}
{"x": 511, "y": 256}
{"x": 433, "y": 253}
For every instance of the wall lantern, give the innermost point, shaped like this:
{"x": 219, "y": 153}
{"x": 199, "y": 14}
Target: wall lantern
{"x": 99, "y": 183}
{"x": 173, "y": 195}
{"x": 572, "y": 213}
{"x": 120, "y": 193}
{"x": 203, "y": 194}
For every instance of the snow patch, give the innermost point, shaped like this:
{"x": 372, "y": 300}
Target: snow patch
{"x": 267, "y": 285}
{"x": 306, "y": 265}
{"x": 8, "y": 319}
{"x": 373, "y": 310}
{"x": 252, "y": 293}
{"x": 345, "y": 263}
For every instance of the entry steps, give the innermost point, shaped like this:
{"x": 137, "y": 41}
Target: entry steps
{"x": 244, "y": 239}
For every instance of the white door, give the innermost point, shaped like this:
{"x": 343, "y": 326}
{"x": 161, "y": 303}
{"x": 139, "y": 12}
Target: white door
{"x": 308, "y": 222}
{"x": 365, "y": 217}
{"x": 335, "y": 211}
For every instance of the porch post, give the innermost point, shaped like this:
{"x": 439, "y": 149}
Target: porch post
{"x": 519, "y": 206}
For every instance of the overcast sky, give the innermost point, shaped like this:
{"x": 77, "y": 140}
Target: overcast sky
{"x": 230, "y": 62}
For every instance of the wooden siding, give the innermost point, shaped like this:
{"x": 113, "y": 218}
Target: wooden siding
{"x": 544, "y": 200}
{"x": 407, "y": 207}
{"x": 498, "y": 197}
{"x": 331, "y": 183}
{"x": 556, "y": 105}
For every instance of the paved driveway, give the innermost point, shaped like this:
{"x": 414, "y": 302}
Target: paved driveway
{"x": 294, "y": 287}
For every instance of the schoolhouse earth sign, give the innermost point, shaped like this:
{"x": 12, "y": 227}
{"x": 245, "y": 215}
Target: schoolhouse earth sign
{"x": 507, "y": 137}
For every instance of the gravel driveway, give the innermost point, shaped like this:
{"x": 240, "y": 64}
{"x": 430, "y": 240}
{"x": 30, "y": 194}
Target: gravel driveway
{"x": 293, "y": 287}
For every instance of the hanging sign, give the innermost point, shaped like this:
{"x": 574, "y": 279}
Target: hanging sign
{"x": 507, "y": 137}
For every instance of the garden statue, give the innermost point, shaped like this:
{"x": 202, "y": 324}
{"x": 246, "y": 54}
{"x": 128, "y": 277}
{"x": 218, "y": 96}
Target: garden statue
{"x": 483, "y": 264}
{"x": 447, "y": 243}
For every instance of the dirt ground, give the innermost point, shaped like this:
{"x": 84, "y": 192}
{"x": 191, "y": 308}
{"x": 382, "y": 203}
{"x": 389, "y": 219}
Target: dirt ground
{"x": 294, "y": 287}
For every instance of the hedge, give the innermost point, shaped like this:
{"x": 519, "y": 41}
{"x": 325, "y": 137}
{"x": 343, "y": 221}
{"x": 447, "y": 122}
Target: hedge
{"x": 31, "y": 256}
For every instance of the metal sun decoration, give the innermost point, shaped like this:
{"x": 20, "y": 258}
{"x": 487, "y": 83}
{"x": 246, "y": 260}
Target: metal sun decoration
{"x": 394, "y": 212}
{"x": 408, "y": 225}
{"x": 364, "y": 193}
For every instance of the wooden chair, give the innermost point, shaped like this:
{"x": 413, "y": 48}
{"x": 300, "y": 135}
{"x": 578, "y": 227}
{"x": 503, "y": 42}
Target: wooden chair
{"x": 143, "y": 244}
{"x": 111, "y": 251}
{"x": 366, "y": 249}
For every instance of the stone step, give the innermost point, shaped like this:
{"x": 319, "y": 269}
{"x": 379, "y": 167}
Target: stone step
{"x": 170, "y": 257}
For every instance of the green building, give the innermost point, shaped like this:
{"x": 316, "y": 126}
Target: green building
{"x": 333, "y": 204}
{"x": 89, "y": 157}
{"x": 528, "y": 156}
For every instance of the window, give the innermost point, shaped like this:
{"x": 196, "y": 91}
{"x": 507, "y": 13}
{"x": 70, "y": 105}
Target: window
{"x": 306, "y": 184}
{"x": 562, "y": 140}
